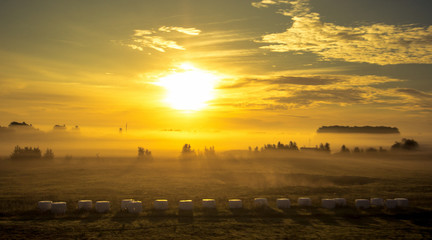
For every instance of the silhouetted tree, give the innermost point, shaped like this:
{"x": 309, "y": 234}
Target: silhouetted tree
{"x": 371, "y": 150}
{"x": 406, "y": 144}
{"x": 144, "y": 153}
{"x": 26, "y": 153}
{"x": 280, "y": 146}
{"x": 49, "y": 154}
{"x": 344, "y": 149}
{"x": 324, "y": 147}
{"x": 357, "y": 150}
{"x": 187, "y": 152}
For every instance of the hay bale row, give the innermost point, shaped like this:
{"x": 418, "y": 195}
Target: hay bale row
{"x": 379, "y": 202}
{"x": 304, "y": 202}
{"x": 132, "y": 206}
{"x": 135, "y": 207}
{"x": 85, "y": 205}
{"x": 58, "y": 207}
{"x": 44, "y": 206}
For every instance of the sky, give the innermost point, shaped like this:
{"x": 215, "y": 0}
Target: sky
{"x": 200, "y": 69}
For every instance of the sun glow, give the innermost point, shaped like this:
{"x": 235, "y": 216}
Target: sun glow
{"x": 189, "y": 88}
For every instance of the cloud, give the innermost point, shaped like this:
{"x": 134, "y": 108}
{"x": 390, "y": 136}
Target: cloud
{"x": 158, "y": 43}
{"x": 149, "y": 39}
{"x": 188, "y": 31}
{"x": 311, "y": 80}
{"x": 314, "y": 91}
{"x": 139, "y": 33}
{"x": 415, "y": 98}
{"x": 266, "y": 3}
{"x": 263, "y": 3}
{"x": 339, "y": 96}
{"x": 378, "y": 43}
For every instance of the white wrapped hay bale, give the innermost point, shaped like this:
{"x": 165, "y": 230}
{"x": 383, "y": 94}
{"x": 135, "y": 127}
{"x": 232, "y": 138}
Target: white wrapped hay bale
{"x": 283, "y": 203}
{"x": 328, "y": 203}
{"x": 58, "y": 207}
{"x": 209, "y": 203}
{"x": 102, "y": 206}
{"x": 304, "y": 202}
{"x": 362, "y": 203}
{"x": 390, "y": 203}
{"x": 235, "y": 203}
{"x": 340, "y": 202}
{"x": 402, "y": 202}
{"x": 44, "y": 205}
{"x": 377, "y": 202}
{"x": 185, "y": 205}
{"x": 124, "y": 204}
{"x": 260, "y": 202}
{"x": 135, "y": 207}
{"x": 160, "y": 204}
{"x": 85, "y": 205}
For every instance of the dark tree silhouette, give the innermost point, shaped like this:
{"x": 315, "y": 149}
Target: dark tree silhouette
{"x": 187, "y": 152}
{"x": 292, "y": 146}
{"x": 357, "y": 150}
{"x": 26, "y": 153}
{"x": 49, "y": 154}
{"x": 144, "y": 153}
{"x": 371, "y": 150}
{"x": 324, "y": 147}
{"x": 405, "y": 144}
{"x": 344, "y": 149}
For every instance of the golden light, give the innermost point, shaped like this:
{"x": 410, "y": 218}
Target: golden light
{"x": 188, "y": 89}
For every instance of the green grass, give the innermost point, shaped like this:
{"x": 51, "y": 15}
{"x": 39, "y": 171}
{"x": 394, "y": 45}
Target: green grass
{"x": 24, "y": 183}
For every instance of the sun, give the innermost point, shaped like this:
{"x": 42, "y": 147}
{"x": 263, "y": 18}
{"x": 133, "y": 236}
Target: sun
{"x": 188, "y": 88}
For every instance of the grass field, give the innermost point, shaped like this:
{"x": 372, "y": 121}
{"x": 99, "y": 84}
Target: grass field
{"x": 24, "y": 183}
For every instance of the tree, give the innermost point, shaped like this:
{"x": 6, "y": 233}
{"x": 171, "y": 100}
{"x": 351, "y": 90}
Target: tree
{"x": 324, "y": 147}
{"x": 344, "y": 149}
{"x": 209, "y": 152}
{"x": 26, "y": 153}
{"x": 371, "y": 150}
{"x": 280, "y": 146}
{"x": 144, "y": 153}
{"x": 357, "y": 150}
{"x": 406, "y": 144}
{"x": 49, "y": 154}
{"x": 187, "y": 152}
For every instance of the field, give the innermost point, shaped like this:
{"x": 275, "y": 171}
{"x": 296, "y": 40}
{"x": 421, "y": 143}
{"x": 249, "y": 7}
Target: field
{"x": 231, "y": 175}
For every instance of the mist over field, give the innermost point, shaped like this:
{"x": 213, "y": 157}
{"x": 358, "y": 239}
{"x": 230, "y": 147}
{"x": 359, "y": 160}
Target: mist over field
{"x": 89, "y": 142}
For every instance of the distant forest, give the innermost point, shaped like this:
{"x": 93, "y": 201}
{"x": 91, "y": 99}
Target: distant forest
{"x": 356, "y": 129}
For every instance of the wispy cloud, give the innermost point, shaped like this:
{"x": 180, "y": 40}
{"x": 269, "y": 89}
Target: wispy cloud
{"x": 266, "y": 3}
{"x": 142, "y": 39}
{"x": 158, "y": 43}
{"x": 188, "y": 31}
{"x": 313, "y": 91}
{"x": 378, "y": 43}
{"x": 312, "y": 80}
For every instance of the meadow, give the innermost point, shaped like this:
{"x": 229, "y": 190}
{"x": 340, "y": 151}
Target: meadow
{"x": 228, "y": 175}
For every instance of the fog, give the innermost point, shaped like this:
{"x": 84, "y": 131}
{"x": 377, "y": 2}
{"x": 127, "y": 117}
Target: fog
{"x": 93, "y": 142}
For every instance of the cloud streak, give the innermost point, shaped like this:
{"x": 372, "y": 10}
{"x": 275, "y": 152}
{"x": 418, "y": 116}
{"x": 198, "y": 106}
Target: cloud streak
{"x": 188, "y": 31}
{"x": 155, "y": 42}
{"x": 378, "y": 43}
{"x": 313, "y": 91}
{"x": 142, "y": 39}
